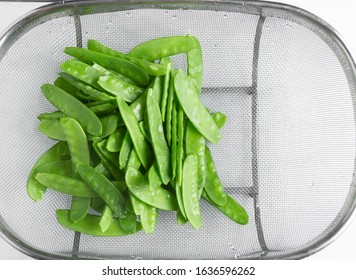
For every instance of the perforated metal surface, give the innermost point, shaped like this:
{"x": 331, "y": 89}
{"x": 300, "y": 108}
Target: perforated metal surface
{"x": 287, "y": 152}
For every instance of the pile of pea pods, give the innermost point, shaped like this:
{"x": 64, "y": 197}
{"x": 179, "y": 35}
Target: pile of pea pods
{"x": 132, "y": 137}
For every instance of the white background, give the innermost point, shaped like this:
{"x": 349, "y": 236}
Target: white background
{"x": 340, "y": 14}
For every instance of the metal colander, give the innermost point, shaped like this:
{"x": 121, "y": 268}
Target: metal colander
{"x": 283, "y": 77}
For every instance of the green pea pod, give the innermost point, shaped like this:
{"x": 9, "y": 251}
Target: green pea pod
{"x": 126, "y": 148}
{"x": 159, "y": 144}
{"x": 66, "y": 185}
{"x": 213, "y": 186}
{"x": 60, "y": 167}
{"x": 148, "y": 218}
{"x": 122, "y": 66}
{"x": 150, "y": 68}
{"x": 97, "y": 204}
{"x": 169, "y": 111}
{"x": 73, "y": 108}
{"x": 181, "y": 219}
{"x": 102, "y": 108}
{"x": 120, "y": 185}
{"x": 144, "y": 132}
{"x": 195, "y": 65}
{"x": 113, "y": 157}
{"x": 106, "y": 218}
{"x": 141, "y": 146}
{"x": 232, "y": 209}
{"x": 168, "y": 62}
{"x": 139, "y": 107}
{"x": 121, "y": 88}
{"x": 180, "y": 146}
{"x": 115, "y": 140}
{"x": 133, "y": 160}
{"x": 103, "y": 170}
{"x": 109, "y": 125}
{"x": 79, "y": 208}
{"x": 51, "y": 116}
{"x": 104, "y": 188}
{"x": 154, "y": 180}
{"x": 163, "y": 47}
{"x": 174, "y": 142}
{"x": 62, "y": 84}
{"x": 138, "y": 186}
{"x": 194, "y": 108}
{"x": 57, "y": 152}
{"x": 137, "y": 205}
{"x": 52, "y": 129}
{"x": 129, "y": 224}
{"x": 219, "y": 119}
{"x": 190, "y": 191}
{"x": 90, "y": 225}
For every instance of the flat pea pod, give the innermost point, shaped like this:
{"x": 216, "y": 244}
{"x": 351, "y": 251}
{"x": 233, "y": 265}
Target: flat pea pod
{"x": 121, "y": 88}
{"x": 120, "y": 185}
{"x": 195, "y": 65}
{"x": 195, "y": 144}
{"x": 140, "y": 144}
{"x": 86, "y": 89}
{"x": 97, "y": 204}
{"x": 139, "y": 107}
{"x": 179, "y": 196}
{"x": 194, "y": 108}
{"x": 163, "y": 106}
{"x": 213, "y": 186}
{"x": 113, "y": 157}
{"x": 62, "y": 84}
{"x": 163, "y": 47}
{"x": 231, "y": 209}
{"x": 58, "y": 152}
{"x": 154, "y": 180}
{"x": 51, "y": 116}
{"x": 190, "y": 191}
{"x": 129, "y": 223}
{"x": 102, "y": 107}
{"x": 106, "y": 218}
{"x": 66, "y": 185}
{"x": 181, "y": 219}
{"x": 60, "y": 167}
{"x": 137, "y": 205}
{"x": 90, "y": 225}
{"x": 148, "y": 218}
{"x": 122, "y": 66}
{"x": 82, "y": 72}
{"x": 144, "y": 131}
{"x": 169, "y": 107}
{"x": 104, "y": 188}
{"x": 126, "y": 148}
{"x": 103, "y": 170}
{"x": 115, "y": 140}
{"x": 219, "y": 119}
{"x": 79, "y": 208}
{"x": 109, "y": 125}
{"x": 180, "y": 145}
{"x": 159, "y": 144}
{"x": 150, "y": 68}
{"x": 133, "y": 160}
{"x": 138, "y": 186}
{"x": 174, "y": 141}
{"x": 73, "y": 108}
{"x": 52, "y": 129}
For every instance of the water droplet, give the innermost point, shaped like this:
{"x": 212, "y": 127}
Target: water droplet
{"x": 128, "y": 14}
{"x": 174, "y": 17}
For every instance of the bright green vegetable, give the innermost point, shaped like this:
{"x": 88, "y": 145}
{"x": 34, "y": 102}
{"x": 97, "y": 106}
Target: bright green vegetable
{"x": 125, "y": 151}
{"x": 115, "y": 140}
{"x": 52, "y": 129}
{"x": 128, "y": 224}
{"x": 148, "y": 218}
{"x": 60, "y": 167}
{"x": 79, "y": 208}
{"x": 219, "y": 119}
{"x": 195, "y": 65}
{"x": 106, "y": 218}
{"x": 51, "y": 116}
{"x": 169, "y": 109}
{"x": 168, "y": 62}
{"x": 62, "y": 84}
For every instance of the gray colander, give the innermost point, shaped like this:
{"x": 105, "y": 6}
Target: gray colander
{"x": 283, "y": 77}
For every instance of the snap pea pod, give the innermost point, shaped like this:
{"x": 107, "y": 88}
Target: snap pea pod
{"x": 112, "y": 157}
{"x": 90, "y": 225}
{"x": 195, "y": 65}
{"x": 115, "y": 140}
{"x": 232, "y": 209}
{"x": 179, "y": 196}
{"x": 195, "y": 144}
{"x": 73, "y": 108}
{"x": 159, "y": 144}
{"x": 213, "y": 186}
{"x": 121, "y": 88}
{"x": 168, "y": 62}
{"x": 86, "y": 89}
{"x": 120, "y": 185}
{"x": 106, "y": 218}
{"x": 138, "y": 186}
{"x": 154, "y": 179}
{"x": 157, "y": 89}
{"x": 148, "y": 218}
{"x": 194, "y": 108}
{"x": 52, "y": 129}
{"x": 181, "y": 219}
{"x": 57, "y": 152}
{"x": 79, "y": 208}
{"x": 82, "y": 72}
{"x": 190, "y": 191}
{"x": 102, "y": 108}
{"x": 133, "y": 160}
{"x": 150, "y": 68}
{"x": 141, "y": 146}
{"x": 174, "y": 141}
{"x": 168, "y": 118}
{"x": 163, "y": 47}
{"x": 125, "y": 151}
{"x": 219, "y": 119}
{"x": 180, "y": 144}
{"x": 137, "y": 205}
{"x": 62, "y": 84}
{"x": 144, "y": 131}
{"x": 122, "y": 66}
{"x": 105, "y": 72}
{"x": 97, "y": 204}
{"x": 60, "y": 167}
{"x": 103, "y": 170}
{"x": 139, "y": 107}
{"x": 109, "y": 125}
{"x": 104, "y": 188}
{"x": 66, "y": 185}
{"x": 129, "y": 206}
{"x": 51, "y": 116}
{"x": 128, "y": 224}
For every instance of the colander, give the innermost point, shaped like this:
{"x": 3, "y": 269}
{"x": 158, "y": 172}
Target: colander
{"x": 283, "y": 77}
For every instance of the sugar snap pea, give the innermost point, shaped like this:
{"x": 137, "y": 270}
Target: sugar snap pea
{"x": 128, "y": 224}
{"x": 194, "y": 108}
{"x": 180, "y": 145}
{"x": 51, "y": 116}
{"x": 115, "y": 140}
{"x": 90, "y": 225}
{"x": 66, "y": 185}
{"x": 101, "y": 108}
{"x": 103, "y": 170}
{"x": 62, "y": 84}
{"x": 168, "y": 117}
{"x": 104, "y": 188}
{"x": 159, "y": 144}
{"x": 122, "y": 66}
{"x": 112, "y": 157}
{"x": 120, "y": 185}
{"x": 144, "y": 131}
{"x": 106, "y": 218}
{"x": 133, "y": 160}
{"x": 195, "y": 65}
{"x": 73, "y": 108}
{"x": 219, "y": 119}
{"x": 138, "y": 186}
{"x": 163, "y": 106}
{"x": 60, "y": 167}
{"x": 109, "y": 125}
{"x": 79, "y": 208}
{"x": 174, "y": 141}
{"x": 148, "y": 218}
{"x": 140, "y": 144}
{"x": 52, "y": 129}
{"x": 150, "y": 68}
{"x": 163, "y": 47}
